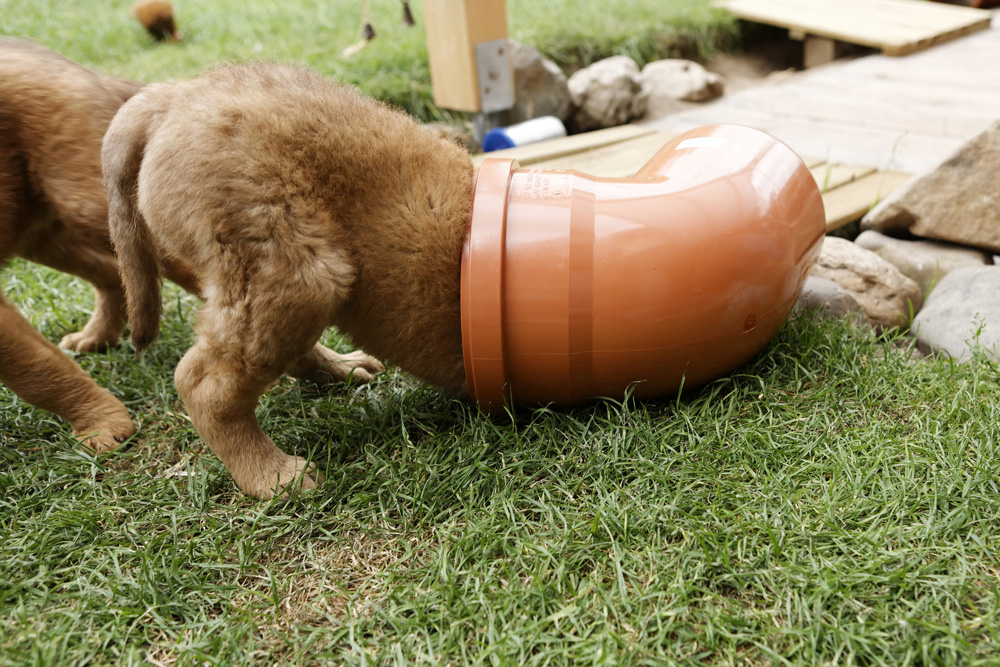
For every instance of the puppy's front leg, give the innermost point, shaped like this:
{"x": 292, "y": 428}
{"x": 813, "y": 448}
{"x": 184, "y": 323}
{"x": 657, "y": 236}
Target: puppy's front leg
{"x": 71, "y": 253}
{"x": 322, "y": 365}
{"x": 44, "y": 376}
{"x": 104, "y": 328}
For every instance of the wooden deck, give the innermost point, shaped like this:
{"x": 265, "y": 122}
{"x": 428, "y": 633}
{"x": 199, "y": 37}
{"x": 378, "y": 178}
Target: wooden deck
{"x": 896, "y": 27}
{"x": 892, "y": 113}
{"x": 848, "y": 190}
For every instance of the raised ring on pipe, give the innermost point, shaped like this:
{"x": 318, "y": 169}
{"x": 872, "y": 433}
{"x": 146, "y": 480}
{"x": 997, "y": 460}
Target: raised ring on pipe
{"x": 482, "y": 277}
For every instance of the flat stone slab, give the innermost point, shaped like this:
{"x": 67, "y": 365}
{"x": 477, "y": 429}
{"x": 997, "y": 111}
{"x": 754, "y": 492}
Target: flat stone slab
{"x": 957, "y": 202}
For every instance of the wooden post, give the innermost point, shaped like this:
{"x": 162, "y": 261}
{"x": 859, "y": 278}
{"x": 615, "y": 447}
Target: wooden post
{"x": 819, "y": 51}
{"x": 454, "y": 30}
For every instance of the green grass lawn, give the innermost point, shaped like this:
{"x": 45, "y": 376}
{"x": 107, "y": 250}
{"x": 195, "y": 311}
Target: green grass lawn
{"x": 833, "y": 502}
{"x": 836, "y": 501}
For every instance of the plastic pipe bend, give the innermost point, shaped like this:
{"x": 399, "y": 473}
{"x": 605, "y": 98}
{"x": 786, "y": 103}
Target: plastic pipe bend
{"x": 576, "y": 287}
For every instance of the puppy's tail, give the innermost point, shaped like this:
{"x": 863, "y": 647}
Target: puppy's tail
{"x": 139, "y": 263}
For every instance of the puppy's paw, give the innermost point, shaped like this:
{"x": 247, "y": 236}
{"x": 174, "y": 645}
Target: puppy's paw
{"x": 357, "y": 366}
{"x": 104, "y": 428}
{"x": 81, "y": 341}
{"x": 290, "y": 476}
{"x": 322, "y": 365}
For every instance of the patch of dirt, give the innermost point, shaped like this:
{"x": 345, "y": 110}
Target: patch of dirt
{"x": 769, "y": 57}
{"x": 761, "y": 67}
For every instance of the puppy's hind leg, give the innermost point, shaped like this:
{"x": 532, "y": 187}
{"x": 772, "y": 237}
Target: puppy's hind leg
{"x": 41, "y": 374}
{"x": 245, "y": 342}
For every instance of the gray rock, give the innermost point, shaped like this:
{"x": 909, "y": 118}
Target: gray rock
{"x": 926, "y": 262}
{"x": 540, "y": 87}
{"x": 606, "y": 94}
{"x": 887, "y": 296}
{"x": 962, "y": 311}
{"x": 959, "y": 201}
{"x": 679, "y": 79}
{"x": 829, "y": 298}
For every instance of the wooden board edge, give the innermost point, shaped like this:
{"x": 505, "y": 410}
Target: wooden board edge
{"x": 921, "y": 45}
{"x": 832, "y": 175}
{"x": 851, "y": 201}
{"x": 888, "y": 48}
{"x": 563, "y": 146}
{"x": 619, "y": 160}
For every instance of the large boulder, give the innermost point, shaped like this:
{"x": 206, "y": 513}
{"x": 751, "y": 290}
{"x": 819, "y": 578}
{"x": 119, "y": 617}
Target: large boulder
{"x": 888, "y": 298}
{"x": 963, "y": 311}
{"x": 606, "y": 94}
{"x": 959, "y": 201}
{"x": 926, "y": 262}
{"x": 540, "y": 87}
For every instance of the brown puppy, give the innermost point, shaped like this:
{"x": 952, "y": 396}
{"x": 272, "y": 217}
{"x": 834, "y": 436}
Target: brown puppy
{"x": 300, "y": 204}
{"x": 157, "y": 17}
{"x": 53, "y": 210}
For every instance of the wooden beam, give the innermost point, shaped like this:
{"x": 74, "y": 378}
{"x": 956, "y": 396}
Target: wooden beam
{"x": 832, "y": 176}
{"x": 819, "y": 51}
{"x": 552, "y": 149}
{"x": 454, "y": 28}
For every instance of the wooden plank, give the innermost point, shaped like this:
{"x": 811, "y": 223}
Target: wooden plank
{"x": 850, "y": 202}
{"x": 596, "y": 154}
{"x": 862, "y": 89}
{"x": 928, "y": 74}
{"x": 831, "y": 176}
{"x": 842, "y": 140}
{"x": 577, "y": 143}
{"x": 619, "y": 160}
{"x": 897, "y": 27}
{"x": 951, "y": 74}
{"x": 880, "y": 22}
{"x": 934, "y": 40}
{"x": 875, "y": 110}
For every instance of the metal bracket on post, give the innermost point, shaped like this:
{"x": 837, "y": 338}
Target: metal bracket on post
{"x": 496, "y": 84}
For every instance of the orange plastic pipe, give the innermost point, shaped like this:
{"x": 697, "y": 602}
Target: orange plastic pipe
{"x": 576, "y": 287}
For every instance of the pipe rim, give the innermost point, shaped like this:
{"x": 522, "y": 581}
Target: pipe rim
{"x": 482, "y": 285}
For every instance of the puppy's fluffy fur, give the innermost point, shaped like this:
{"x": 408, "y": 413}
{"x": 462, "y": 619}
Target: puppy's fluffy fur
{"x": 53, "y": 210}
{"x": 300, "y": 204}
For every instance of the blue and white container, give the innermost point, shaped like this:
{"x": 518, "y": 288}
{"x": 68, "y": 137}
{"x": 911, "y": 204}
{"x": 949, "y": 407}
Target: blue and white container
{"x": 521, "y": 134}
